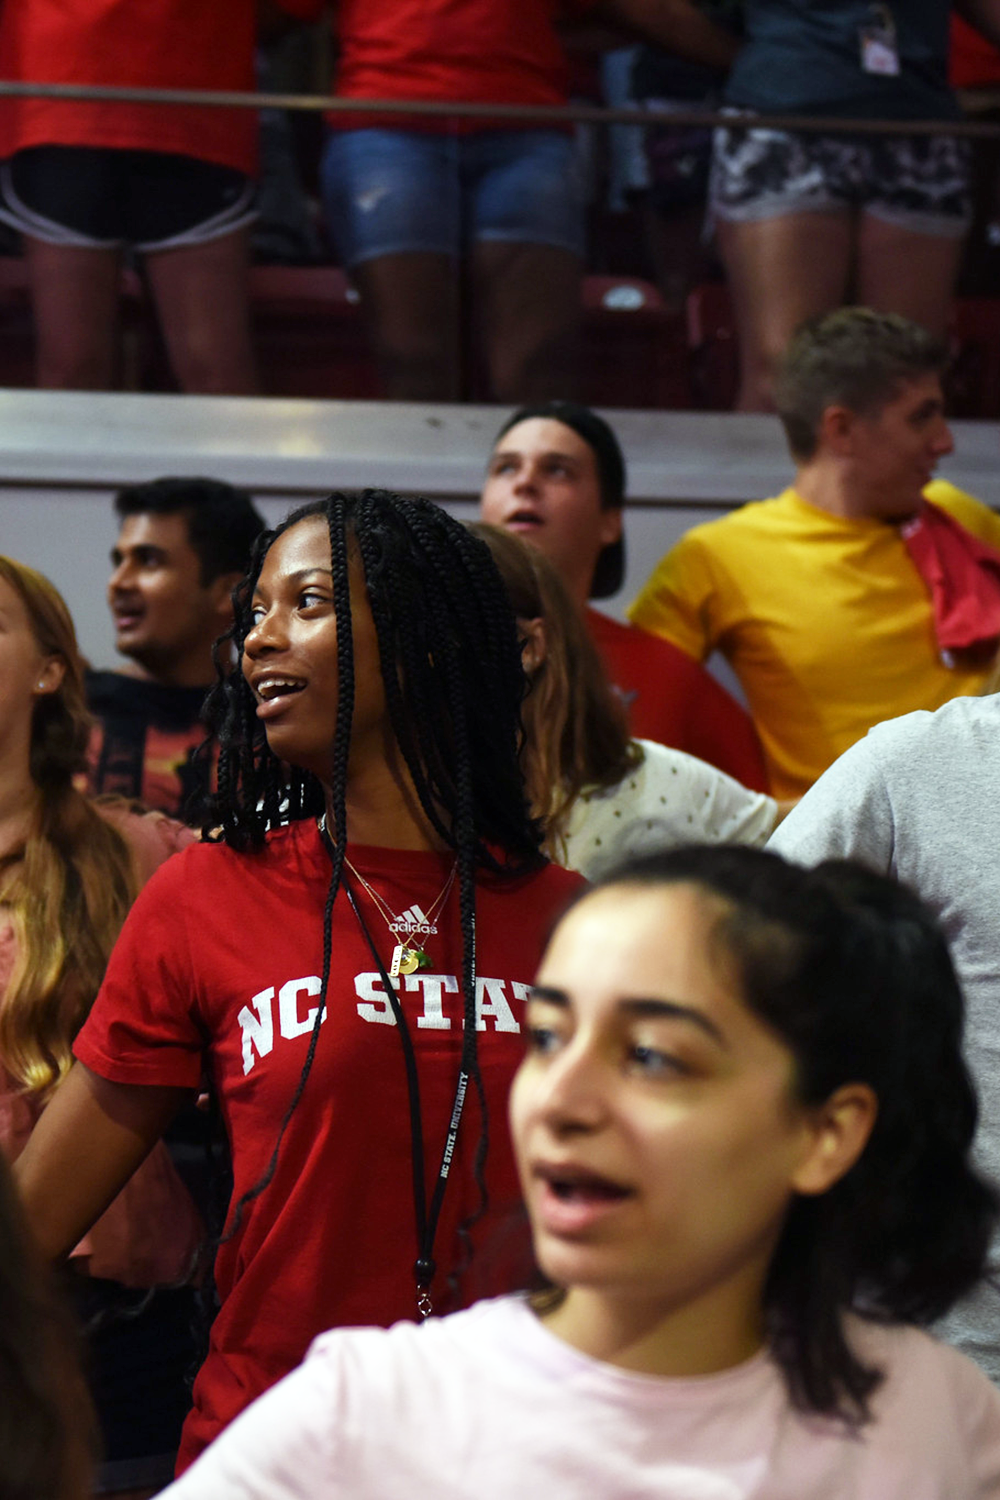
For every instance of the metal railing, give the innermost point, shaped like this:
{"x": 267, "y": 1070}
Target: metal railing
{"x": 522, "y": 114}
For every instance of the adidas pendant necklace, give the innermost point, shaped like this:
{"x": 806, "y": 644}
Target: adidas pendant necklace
{"x": 409, "y": 954}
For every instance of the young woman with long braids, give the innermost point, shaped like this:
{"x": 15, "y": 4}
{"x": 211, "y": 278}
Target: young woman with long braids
{"x": 599, "y": 794}
{"x": 744, "y": 1129}
{"x": 69, "y": 871}
{"x": 350, "y": 956}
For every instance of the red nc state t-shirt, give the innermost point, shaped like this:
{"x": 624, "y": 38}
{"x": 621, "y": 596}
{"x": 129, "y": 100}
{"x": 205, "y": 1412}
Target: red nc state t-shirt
{"x": 219, "y": 962}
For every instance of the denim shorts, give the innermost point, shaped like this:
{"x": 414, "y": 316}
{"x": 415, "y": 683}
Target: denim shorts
{"x": 388, "y": 192}
{"x": 917, "y": 182}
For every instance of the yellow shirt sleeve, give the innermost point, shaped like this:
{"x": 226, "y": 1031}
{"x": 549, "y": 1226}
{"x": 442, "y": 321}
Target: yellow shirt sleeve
{"x": 677, "y": 600}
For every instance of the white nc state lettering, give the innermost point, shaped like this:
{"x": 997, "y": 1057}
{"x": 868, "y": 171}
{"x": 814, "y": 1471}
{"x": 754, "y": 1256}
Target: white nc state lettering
{"x": 258, "y": 1030}
{"x": 433, "y": 987}
{"x": 288, "y": 1006}
{"x": 373, "y": 1002}
{"x": 491, "y": 1001}
{"x": 256, "y": 1019}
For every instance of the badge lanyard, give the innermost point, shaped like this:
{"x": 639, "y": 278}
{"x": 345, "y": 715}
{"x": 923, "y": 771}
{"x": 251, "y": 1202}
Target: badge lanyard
{"x": 426, "y": 1217}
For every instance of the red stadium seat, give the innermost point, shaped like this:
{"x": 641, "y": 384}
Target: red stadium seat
{"x": 973, "y": 382}
{"x": 17, "y": 329}
{"x": 634, "y": 352}
{"x": 714, "y": 350}
{"x": 309, "y": 334}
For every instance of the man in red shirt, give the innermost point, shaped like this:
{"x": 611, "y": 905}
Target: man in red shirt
{"x": 556, "y": 477}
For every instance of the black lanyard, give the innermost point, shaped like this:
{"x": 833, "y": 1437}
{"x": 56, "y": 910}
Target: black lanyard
{"x": 426, "y": 1220}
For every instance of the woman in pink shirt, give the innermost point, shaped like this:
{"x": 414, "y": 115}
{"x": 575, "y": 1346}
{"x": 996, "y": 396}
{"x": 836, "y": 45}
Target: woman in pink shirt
{"x": 743, "y": 1128}
{"x": 70, "y": 868}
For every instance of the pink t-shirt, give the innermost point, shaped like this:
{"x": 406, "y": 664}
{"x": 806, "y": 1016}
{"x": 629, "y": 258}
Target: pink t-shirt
{"x": 149, "y": 1234}
{"x": 488, "y": 1403}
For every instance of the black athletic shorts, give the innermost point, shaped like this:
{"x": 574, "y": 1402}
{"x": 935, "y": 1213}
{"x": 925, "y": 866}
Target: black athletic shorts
{"x": 104, "y": 197}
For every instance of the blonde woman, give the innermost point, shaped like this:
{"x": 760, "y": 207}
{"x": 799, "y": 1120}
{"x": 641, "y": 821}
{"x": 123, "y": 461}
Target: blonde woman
{"x": 69, "y": 871}
{"x": 601, "y": 795}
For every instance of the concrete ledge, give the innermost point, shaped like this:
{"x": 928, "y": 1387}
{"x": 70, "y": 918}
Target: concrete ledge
{"x": 282, "y": 447}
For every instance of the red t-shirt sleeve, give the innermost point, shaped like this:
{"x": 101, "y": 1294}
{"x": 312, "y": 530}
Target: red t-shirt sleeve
{"x": 674, "y": 700}
{"x": 144, "y": 1027}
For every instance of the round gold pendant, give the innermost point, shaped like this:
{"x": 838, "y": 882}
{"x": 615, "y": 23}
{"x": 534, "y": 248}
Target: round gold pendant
{"x": 408, "y": 961}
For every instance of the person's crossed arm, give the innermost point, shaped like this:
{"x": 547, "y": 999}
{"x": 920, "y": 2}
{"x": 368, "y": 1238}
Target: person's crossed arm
{"x": 677, "y": 26}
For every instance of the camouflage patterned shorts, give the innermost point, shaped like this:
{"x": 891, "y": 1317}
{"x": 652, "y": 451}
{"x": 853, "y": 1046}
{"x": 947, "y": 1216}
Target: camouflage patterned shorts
{"x": 917, "y": 182}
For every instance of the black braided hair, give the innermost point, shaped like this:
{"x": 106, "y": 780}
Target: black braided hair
{"x": 451, "y": 669}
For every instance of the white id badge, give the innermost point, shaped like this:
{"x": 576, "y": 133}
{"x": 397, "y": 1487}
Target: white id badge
{"x": 879, "y": 47}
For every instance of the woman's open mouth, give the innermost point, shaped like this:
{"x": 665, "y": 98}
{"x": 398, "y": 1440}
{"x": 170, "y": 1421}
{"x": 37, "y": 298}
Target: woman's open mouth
{"x": 573, "y": 1199}
{"x": 274, "y": 693}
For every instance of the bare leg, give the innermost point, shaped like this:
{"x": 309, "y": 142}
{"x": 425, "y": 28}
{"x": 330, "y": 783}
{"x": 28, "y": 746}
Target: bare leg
{"x": 74, "y": 292}
{"x": 202, "y": 300}
{"x": 781, "y": 271}
{"x": 905, "y": 272}
{"x": 530, "y": 304}
{"x": 411, "y": 301}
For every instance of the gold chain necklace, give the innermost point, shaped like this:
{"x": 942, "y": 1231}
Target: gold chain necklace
{"x": 408, "y": 954}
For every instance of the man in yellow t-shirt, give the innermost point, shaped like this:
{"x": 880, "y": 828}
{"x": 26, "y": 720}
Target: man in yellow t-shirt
{"x": 813, "y": 596}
